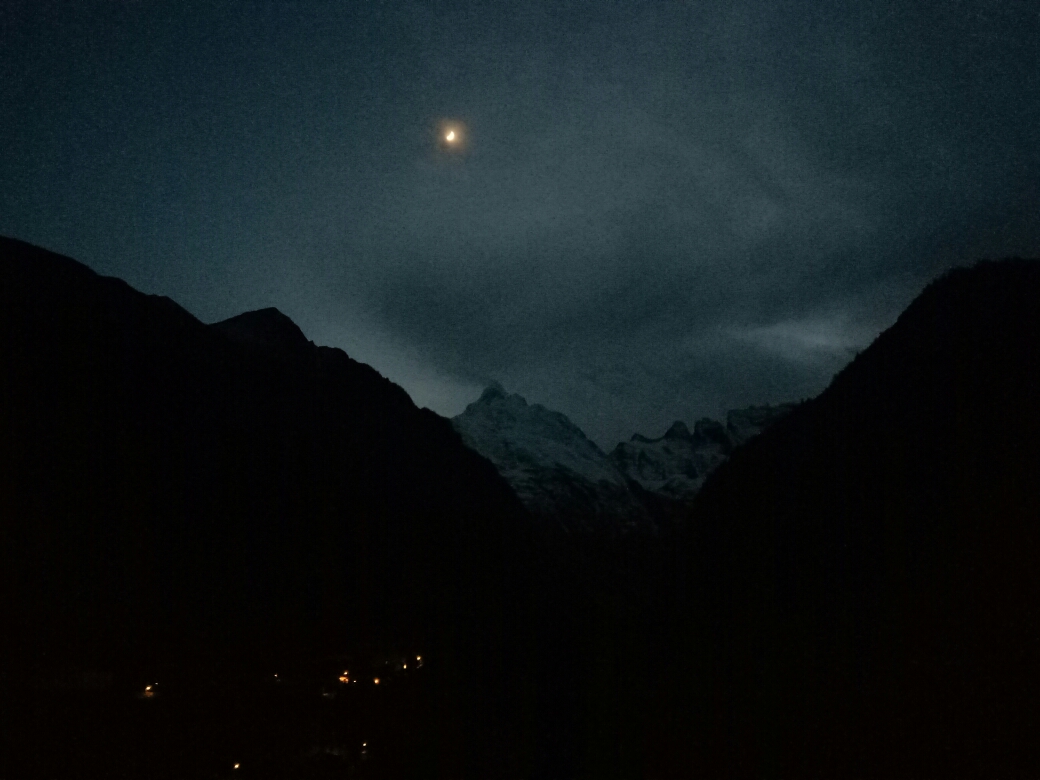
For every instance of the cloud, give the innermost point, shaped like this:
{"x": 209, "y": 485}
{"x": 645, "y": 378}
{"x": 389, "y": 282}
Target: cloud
{"x": 584, "y": 275}
{"x": 663, "y": 209}
{"x": 807, "y": 341}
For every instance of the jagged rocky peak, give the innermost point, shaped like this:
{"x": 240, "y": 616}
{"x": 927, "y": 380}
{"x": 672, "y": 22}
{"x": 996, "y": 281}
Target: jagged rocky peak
{"x": 678, "y": 430}
{"x": 674, "y": 465}
{"x": 498, "y": 410}
{"x": 494, "y": 392}
{"x": 264, "y": 326}
{"x": 555, "y": 469}
{"x": 495, "y": 397}
{"x": 505, "y": 425}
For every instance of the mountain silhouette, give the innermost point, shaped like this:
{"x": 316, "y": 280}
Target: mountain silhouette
{"x": 851, "y": 592}
{"x": 265, "y": 326}
{"x": 175, "y": 492}
{"x": 863, "y": 575}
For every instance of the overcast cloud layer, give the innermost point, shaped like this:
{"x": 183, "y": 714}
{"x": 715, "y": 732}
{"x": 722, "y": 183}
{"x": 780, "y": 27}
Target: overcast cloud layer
{"x": 661, "y": 209}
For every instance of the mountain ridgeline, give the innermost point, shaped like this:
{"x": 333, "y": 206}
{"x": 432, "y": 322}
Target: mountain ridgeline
{"x": 174, "y": 493}
{"x": 842, "y": 588}
{"x": 863, "y": 576}
{"x": 567, "y": 482}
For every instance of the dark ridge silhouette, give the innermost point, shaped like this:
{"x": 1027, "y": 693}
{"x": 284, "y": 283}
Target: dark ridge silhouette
{"x": 863, "y": 575}
{"x": 852, "y": 596}
{"x": 265, "y": 326}
{"x": 192, "y": 497}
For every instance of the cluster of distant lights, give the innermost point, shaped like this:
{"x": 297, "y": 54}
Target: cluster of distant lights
{"x": 149, "y": 692}
{"x": 346, "y": 679}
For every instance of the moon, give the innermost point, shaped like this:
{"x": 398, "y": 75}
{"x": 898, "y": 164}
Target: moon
{"x": 451, "y": 135}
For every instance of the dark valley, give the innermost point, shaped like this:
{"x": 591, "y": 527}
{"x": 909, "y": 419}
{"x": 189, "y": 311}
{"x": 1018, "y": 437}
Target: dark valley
{"x": 229, "y": 552}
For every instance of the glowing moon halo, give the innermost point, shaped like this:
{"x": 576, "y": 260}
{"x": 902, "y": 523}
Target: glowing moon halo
{"x": 451, "y": 136}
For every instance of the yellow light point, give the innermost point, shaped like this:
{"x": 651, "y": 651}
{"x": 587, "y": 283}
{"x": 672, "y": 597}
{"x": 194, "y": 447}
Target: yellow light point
{"x": 236, "y": 766}
{"x": 450, "y": 136}
{"x": 418, "y": 658}
{"x": 405, "y": 666}
{"x": 148, "y": 687}
{"x": 376, "y": 681}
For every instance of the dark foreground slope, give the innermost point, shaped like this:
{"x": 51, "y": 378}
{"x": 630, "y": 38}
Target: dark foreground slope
{"x": 182, "y": 496}
{"x": 865, "y": 574}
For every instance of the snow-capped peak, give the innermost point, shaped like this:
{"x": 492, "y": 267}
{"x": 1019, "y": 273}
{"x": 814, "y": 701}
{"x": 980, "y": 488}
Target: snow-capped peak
{"x": 678, "y": 430}
{"x": 514, "y": 434}
{"x": 555, "y": 469}
{"x": 558, "y": 472}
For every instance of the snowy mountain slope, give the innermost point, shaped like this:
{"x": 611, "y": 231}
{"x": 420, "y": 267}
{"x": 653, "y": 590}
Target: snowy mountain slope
{"x": 553, "y": 467}
{"x": 676, "y": 464}
{"x": 558, "y": 473}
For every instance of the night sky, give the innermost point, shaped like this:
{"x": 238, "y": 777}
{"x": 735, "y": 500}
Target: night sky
{"x": 652, "y": 211}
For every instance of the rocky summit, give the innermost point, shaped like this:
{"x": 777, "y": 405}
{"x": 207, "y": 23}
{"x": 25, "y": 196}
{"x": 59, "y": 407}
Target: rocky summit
{"x": 559, "y": 474}
{"x": 565, "y": 479}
